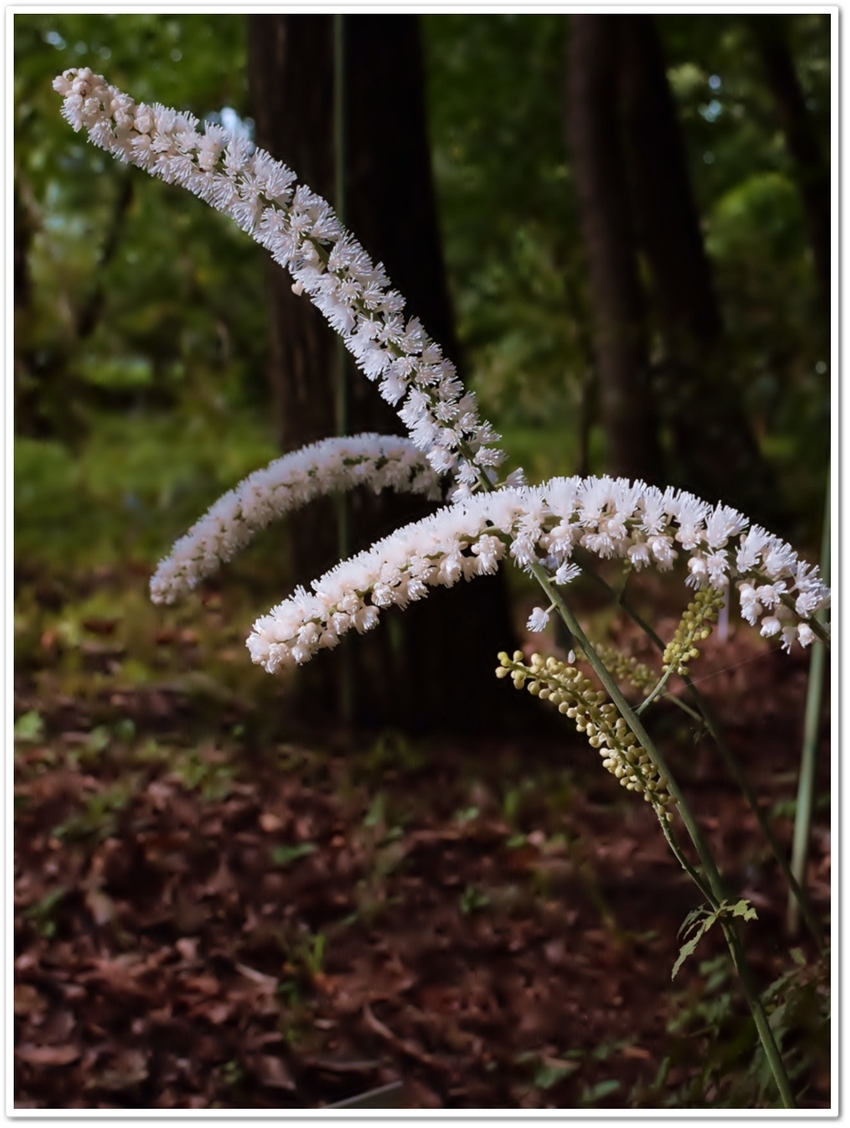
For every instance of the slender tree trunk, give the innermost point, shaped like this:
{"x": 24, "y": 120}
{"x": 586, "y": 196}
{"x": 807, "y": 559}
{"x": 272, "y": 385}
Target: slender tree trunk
{"x": 811, "y": 170}
{"x": 713, "y": 451}
{"x": 400, "y": 669}
{"x": 606, "y": 225}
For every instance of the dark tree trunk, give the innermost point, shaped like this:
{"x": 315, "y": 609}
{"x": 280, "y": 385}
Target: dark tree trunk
{"x": 668, "y": 222}
{"x": 811, "y": 171}
{"x": 606, "y": 225}
{"x": 713, "y": 451}
{"x": 399, "y": 671}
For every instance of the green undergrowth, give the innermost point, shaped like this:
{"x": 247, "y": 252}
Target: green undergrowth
{"x": 133, "y": 485}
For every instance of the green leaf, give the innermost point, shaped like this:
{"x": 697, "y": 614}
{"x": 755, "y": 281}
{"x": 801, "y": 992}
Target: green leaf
{"x": 551, "y": 1073}
{"x": 691, "y": 919}
{"x": 29, "y": 727}
{"x": 98, "y": 739}
{"x": 286, "y": 855}
{"x": 744, "y": 909}
{"x": 599, "y": 1091}
{"x": 689, "y": 947}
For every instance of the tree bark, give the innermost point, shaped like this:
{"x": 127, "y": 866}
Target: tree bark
{"x": 713, "y": 451}
{"x": 619, "y": 329}
{"x": 811, "y": 170}
{"x": 400, "y": 669}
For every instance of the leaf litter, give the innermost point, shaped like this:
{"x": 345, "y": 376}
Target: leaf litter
{"x": 209, "y": 914}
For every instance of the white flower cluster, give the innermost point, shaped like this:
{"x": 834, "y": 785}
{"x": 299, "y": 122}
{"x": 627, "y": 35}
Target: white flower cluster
{"x": 333, "y": 465}
{"x": 302, "y": 233}
{"x": 543, "y": 525}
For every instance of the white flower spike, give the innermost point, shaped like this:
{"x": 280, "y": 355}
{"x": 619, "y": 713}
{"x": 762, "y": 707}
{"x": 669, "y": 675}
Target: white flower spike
{"x": 302, "y": 233}
{"x": 333, "y": 465}
{"x": 612, "y": 518}
{"x": 537, "y": 525}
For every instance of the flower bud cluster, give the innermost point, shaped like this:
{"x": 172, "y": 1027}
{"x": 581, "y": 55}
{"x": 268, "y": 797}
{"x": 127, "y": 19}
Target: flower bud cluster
{"x": 695, "y": 626}
{"x": 303, "y": 234}
{"x": 333, "y": 465}
{"x": 626, "y": 668}
{"x": 576, "y": 697}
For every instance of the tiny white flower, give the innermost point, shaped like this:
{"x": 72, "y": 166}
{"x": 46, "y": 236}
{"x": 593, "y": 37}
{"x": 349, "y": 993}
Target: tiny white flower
{"x": 805, "y": 634}
{"x": 538, "y": 619}
{"x": 566, "y": 573}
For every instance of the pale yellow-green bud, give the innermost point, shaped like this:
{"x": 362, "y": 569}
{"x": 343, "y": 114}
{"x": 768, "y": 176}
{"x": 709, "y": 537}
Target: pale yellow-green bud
{"x": 695, "y": 626}
{"x": 574, "y": 695}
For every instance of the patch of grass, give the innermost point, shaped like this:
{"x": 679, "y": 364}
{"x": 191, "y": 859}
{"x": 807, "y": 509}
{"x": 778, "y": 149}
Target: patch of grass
{"x": 118, "y": 496}
{"x": 99, "y": 815}
{"x": 42, "y": 914}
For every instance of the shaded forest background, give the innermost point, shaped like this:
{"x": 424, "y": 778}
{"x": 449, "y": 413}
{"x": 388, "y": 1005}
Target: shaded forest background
{"x": 138, "y": 313}
{"x": 619, "y": 228}
{"x": 626, "y": 250}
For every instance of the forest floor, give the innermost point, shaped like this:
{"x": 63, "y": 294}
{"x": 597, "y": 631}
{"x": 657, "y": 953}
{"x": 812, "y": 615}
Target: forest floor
{"x": 213, "y": 913}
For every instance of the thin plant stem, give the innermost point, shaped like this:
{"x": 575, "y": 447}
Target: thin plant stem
{"x": 808, "y": 757}
{"x": 635, "y": 724}
{"x": 707, "y": 717}
{"x": 346, "y": 686}
{"x": 774, "y": 1058}
{"x": 709, "y": 881}
{"x": 794, "y": 885}
{"x": 656, "y": 692}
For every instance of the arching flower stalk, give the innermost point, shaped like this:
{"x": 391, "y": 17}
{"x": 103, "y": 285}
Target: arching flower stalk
{"x": 539, "y": 526}
{"x": 330, "y": 466}
{"x": 302, "y": 233}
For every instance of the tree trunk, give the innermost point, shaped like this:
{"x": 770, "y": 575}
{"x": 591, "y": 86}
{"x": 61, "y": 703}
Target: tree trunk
{"x": 810, "y": 169}
{"x": 713, "y": 451}
{"x": 606, "y": 227}
{"x": 399, "y": 671}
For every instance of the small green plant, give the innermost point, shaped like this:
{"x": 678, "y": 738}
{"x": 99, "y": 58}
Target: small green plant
{"x": 285, "y": 856}
{"x": 710, "y": 1016}
{"x": 232, "y": 1074}
{"x": 29, "y": 728}
{"x": 97, "y": 820}
{"x": 593, "y": 1094}
{"x": 43, "y": 913}
{"x": 473, "y": 900}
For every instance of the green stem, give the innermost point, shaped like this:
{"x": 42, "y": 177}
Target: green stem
{"x": 685, "y": 864}
{"x": 707, "y": 717}
{"x": 763, "y": 1027}
{"x": 745, "y": 786}
{"x": 346, "y": 682}
{"x": 710, "y": 881}
{"x": 635, "y": 724}
{"x": 808, "y": 758}
{"x": 659, "y": 689}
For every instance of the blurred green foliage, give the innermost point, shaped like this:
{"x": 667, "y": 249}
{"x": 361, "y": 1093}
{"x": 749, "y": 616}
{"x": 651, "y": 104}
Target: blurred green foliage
{"x": 755, "y": 234}
{"x": 515, "y": 257}
{"x": 140, "y": 313}
{"x": 129, "y": 295}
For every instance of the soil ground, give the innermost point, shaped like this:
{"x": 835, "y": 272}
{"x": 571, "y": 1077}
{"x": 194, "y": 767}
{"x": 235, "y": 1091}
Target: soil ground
{"x": 212, "y": 913}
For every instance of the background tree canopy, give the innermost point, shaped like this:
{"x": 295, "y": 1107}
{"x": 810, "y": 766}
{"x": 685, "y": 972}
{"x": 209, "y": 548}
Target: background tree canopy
{"x": 140, "y": 317}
